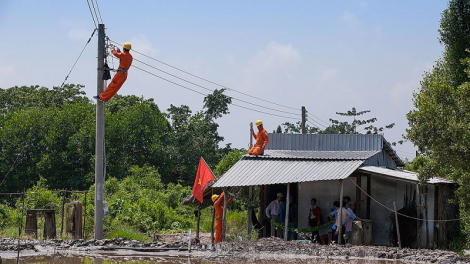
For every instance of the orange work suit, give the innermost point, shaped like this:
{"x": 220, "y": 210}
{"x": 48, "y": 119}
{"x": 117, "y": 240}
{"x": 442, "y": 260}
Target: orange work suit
{"x": 219, "y": 214}
{"x": 262, "y": 140}
{"x": 125, "y": 61}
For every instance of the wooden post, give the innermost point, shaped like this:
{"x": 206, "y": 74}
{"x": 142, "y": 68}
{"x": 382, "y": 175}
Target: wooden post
{"x": 358, "y": 193}
{"x": 212, "y": 226}
{"x": 198, "y": 221}
{"x": 251, "y": 135}
{"x": 286, "y": 219}
{"x": 396, "y": 222}
{"x": 63, "y": 204}
{"x": 84, "y": 219}
{"x": 99, "y": 140}
{"x": 368, "y": 197}
{"x": 224, "y": 223}
{"x": 426, "y": 212}
{"x": 250, "y": 211}
{"x": 189, "y": 241}
{"x": 418, "y": 233}
{"x": 340, "y": 215}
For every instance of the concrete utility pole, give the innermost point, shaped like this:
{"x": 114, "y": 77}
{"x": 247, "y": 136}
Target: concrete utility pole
{"x": 99, "y": 147}
{"x": 304, "y": 119}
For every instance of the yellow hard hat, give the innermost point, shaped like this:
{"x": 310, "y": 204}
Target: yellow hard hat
{"x": 127, "y": 45}
{"x": 214, "y": 197}
{"x": 258, "y": 122}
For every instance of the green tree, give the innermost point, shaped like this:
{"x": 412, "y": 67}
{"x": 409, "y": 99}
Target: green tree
{"x": 455, "y": 37}
{"x": 439, "y": 122}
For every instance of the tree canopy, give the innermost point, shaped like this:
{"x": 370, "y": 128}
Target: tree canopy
{"x": 49, "y": 134}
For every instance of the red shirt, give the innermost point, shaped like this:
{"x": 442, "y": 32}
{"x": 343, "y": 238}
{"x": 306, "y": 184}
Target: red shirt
{"x": 125, "y": 59}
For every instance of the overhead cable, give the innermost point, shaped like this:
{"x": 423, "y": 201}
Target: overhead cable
{"x": 99, "y": 13}
{"x": 319, "y": 118}
{"x": 96, "y": 15}
{"x": 198, "y": 92}
{"x": 93, "y": 33}
{"x": 93, "y": 17}
{"x": 318, "y": 124}
{"x": 233, "y": 98}
{"x": 223, "y": 86}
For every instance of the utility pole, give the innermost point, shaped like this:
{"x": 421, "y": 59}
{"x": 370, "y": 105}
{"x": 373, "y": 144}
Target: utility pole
{"x": 99, "y": 146}
{"x": 304, "y": 119}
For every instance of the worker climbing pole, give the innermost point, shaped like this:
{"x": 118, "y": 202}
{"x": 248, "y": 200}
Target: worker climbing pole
{"x": 125, "y": 61}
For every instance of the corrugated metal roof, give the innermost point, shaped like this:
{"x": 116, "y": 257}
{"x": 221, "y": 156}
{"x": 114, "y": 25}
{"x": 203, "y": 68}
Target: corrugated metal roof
{"x": 401, "y": 174}
{"x": 316, "y": 155}
{"x": 325, "y": 142}
{"x": 261, "y": 171}
{"x": 332, "y": 142}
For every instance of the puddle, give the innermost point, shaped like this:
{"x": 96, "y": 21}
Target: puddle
{"x": 173, "y": 260}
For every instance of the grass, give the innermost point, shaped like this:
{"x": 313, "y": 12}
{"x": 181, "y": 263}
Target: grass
{"x": 129, "y": 234}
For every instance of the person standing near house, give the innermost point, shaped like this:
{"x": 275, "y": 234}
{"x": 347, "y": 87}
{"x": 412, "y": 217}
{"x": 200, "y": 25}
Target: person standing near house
{"x": 314, "y": 219}
{"x": 352, "y": 217}
{"x": 262, "y": 140}
{"x": 219, "y": 214}
{"x": 292, "y": 216}
{"x": 272, "y": 212}
{"x": 125, "y": 61}
{"x": 338, "y": 213}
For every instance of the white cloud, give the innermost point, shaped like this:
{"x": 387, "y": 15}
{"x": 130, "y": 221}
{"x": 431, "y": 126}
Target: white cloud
{"x": 7, "y": 73}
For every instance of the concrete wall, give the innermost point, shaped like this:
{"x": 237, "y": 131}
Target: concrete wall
{"x": 326, "y": 192}
{"x": 385, "y": 190}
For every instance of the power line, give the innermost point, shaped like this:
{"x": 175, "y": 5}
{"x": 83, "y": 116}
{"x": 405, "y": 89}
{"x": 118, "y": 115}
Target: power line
{"x": 230, "y": 89}
{"x": 327, "y": 123}
{"x": 308, "y": 121}
{"x": 73, "y": 66}
{"x": 96, "y": 15}
{"x": 195, "y": 91}
{"x": 99, "y": 13}
{"x": 233, "y": 98}
{"x": 89, "y": 7}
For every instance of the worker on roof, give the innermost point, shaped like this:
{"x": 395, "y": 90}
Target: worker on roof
{"x": 219, "y": 214}
{"x": 125, "y": 61}
{"x": 262, "y": 140}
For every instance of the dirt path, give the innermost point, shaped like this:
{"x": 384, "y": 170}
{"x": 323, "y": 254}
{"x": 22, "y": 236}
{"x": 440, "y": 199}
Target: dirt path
{"x": 262, "y": 251}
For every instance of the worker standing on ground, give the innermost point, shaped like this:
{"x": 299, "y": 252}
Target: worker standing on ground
{"x": 262, "y": 140}
{"x": 219, "y": 214}
{"x": 125, "y": 61}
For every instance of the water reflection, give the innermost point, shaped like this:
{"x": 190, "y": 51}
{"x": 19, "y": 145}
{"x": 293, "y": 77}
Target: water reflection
{"x": 173, "y": 260}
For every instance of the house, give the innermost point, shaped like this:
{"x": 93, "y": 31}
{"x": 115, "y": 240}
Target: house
{"x": 363, "y": 167}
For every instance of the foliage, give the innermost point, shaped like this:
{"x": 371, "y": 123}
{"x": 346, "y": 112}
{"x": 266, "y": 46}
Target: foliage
{"x": 455, "y": 36}
{"x": 39, "y": 197}
{"x": 439, "y": 122}
{"x": 228, "y": 161}
{"x": 357, "y": 126}
{"x": 55, "y": 140}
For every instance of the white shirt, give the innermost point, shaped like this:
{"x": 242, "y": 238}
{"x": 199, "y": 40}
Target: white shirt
{"x": 274, "y": 208}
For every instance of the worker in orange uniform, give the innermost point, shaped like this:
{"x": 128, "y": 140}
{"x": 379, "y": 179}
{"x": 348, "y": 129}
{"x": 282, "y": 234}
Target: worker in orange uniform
{"x": 125, "y": 61}
{"x": 262, "y": 140}
{"x": 219, "y": 214}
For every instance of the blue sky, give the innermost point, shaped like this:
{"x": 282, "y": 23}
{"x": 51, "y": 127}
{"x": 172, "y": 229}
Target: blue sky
{"x": 328, "y": 56}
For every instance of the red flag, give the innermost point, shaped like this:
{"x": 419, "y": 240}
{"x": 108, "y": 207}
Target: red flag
{"x": 203, "y": 177}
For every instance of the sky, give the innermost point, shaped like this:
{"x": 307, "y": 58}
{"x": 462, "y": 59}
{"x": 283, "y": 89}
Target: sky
{"x": 275, "y": 56}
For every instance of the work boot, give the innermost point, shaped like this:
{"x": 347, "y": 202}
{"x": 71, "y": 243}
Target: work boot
{"x": 97, "y": 97}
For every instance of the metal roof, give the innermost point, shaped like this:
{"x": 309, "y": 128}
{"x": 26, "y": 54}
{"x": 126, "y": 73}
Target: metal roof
{"x": 315, "y": 155}
{"x": 400, "y": 174}
{"x": 291, "y": 167}
{"x": 332, "y": 142}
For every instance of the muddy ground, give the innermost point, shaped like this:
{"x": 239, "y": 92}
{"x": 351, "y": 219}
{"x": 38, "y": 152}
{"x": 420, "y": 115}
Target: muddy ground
{"x": 262, "y": 251}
